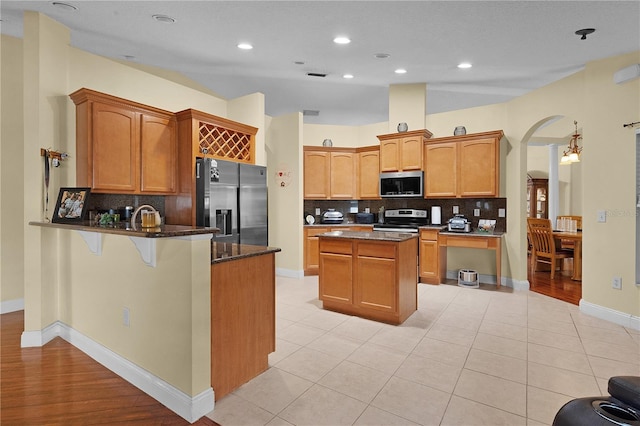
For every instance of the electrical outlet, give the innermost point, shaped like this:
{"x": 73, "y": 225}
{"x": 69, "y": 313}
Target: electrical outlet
{"x": 502, "y": 212}
{"x": 476, "y": 212}
{"x": 617, "y": 283}
{"x": 125, "y": 316}
{"x": 602, "y": 216}
{"x": 317, "y": 211}
{"x": 456, "y": 209}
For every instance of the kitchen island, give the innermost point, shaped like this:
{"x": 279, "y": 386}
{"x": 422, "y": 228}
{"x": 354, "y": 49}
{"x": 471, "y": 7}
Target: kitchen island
{"x": 369, "y": 274}
{"x": 165, "y": 308}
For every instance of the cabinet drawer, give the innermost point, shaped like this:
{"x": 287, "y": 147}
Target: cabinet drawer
{"x": 315, "y": 231}
{"x": 429, "y": 234}
{"x": 336, "y": 246}
{"x": 387, "y": 251}
{"x": 469, "y": 242}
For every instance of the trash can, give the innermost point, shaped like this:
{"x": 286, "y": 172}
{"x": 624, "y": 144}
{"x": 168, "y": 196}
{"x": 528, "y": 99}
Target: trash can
{"x": 468, "y": 278}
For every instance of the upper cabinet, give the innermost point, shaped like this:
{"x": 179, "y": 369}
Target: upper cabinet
{"x": 402, "y": 151}
{"x": 463, "y": 166}
{"x": 368, "y": 178}
{"x": 124, "y": 147}
{"x": 329, "y": 173}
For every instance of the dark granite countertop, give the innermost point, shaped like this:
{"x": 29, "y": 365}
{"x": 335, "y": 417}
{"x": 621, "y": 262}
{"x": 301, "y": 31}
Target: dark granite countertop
{"x": 375, "y": 235}
{"x": 125, "y": 228}
{"x": 337, "y": 225}
{"x": 225, "y": 252}
{"x": 472, "y": 234}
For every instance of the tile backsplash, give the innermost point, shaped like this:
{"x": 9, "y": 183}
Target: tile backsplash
{"x": 488, "y": 208}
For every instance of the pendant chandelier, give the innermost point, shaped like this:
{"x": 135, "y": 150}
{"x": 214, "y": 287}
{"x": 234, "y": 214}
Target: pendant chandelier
{"x": 572, "y": 155}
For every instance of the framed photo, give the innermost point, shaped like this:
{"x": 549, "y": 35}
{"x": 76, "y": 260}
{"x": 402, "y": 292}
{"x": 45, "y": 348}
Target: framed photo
{"x": 72, "y": 205}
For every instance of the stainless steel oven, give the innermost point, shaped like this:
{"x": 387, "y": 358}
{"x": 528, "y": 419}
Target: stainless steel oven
{"x": 402, "y": 220}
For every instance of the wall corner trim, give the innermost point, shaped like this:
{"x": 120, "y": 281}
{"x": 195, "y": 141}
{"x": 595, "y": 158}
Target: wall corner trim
{"x": 187, "y": 407}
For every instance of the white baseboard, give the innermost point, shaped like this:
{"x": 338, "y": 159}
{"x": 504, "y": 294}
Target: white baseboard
{"x": 492, "y": 280}
{"x": 187, "y": 407}
{"x": 11, "y": 306}
{"x": 290, "y": 273}
{"x": 617, "y": 317}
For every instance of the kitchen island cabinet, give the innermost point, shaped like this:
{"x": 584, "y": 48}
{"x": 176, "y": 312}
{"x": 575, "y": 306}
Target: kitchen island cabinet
{"x": 369, "y": 274}
{"x": 311, "y": 242}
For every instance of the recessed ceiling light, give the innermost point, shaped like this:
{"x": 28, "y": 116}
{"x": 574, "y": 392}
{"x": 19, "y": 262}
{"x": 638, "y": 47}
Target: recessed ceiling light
{"x": 400, "y": 71}
{"x": 164, "y": 18}
{"x": 245, "y": 46}
{"x": 347, "y": 76}
{"x": 381, "y": 55}
{"x": 342, "y": 40}
{"x": 64, "y": 6}
{"x": 464, "y": 65}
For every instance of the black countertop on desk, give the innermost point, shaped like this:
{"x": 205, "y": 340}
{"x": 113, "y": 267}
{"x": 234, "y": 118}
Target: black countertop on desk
{"x": 225, "y": 252}
{"x": 125, "y": 228}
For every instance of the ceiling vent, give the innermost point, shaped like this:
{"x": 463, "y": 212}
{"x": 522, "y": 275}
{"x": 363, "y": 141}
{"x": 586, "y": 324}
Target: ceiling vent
{"x": 310, "y": 112}
{"x": 316, "y": 74}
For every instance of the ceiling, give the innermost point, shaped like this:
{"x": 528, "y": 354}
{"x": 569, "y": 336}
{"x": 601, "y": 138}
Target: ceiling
{"x": 514, "y": 46}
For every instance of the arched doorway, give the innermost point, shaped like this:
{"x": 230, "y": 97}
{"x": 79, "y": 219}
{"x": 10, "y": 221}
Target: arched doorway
{"x": 543, "y": 144}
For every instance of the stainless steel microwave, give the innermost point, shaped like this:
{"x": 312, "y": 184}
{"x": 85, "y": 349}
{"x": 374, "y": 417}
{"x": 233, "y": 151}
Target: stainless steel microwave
{"x": 402, "y": 184}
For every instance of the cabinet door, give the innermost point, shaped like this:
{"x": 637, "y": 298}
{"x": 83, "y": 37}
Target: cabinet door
{"x": 158, "y": 154}
{"x": 336, "y": 278}
{"x": 312, "y": 249}
{"x": 440, "y": 170}
{"x": 316, "y": 174}
{"x": 389, "y": 155}
{"x": 478, "y": 168}
{"x": 343, "y": 175}
{"x": 115, "y": 149}
{"x": 411, "y": 153}
{"x": 376, "y": 286}
{"x": 429, "y": 260}
{"x": 369, "y": 175}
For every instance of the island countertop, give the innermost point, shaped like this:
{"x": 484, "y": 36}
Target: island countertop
{"x": 374, "y": 235}
{"x": 125, "y": 228}
{"x": 224, "y": 252}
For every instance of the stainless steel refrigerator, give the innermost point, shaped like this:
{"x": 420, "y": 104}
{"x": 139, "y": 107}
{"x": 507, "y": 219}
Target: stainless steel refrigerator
{"x": 232, "y": 197}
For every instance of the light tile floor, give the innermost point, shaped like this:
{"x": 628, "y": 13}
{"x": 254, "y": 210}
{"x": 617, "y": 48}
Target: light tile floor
{"x": 466, "y": 357}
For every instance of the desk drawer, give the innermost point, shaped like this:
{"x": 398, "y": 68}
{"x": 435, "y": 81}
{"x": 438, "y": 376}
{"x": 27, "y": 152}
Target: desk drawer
{"x": 470, "y": 242}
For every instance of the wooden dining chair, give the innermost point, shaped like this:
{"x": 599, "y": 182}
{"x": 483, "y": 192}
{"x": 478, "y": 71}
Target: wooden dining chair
{"x": 544, "y": 245}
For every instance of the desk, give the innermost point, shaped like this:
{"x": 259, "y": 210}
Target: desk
{"x": 576, "y": 237}
{"x": 470, "y": 240}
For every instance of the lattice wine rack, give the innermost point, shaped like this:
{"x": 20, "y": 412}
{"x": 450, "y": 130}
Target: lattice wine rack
{"x": 225, "y": 143}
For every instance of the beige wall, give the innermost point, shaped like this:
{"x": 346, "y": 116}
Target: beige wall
{"x": 407, "y": 104}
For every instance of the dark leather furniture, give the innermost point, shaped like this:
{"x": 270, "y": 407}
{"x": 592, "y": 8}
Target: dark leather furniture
{"x": 621, "y": 408}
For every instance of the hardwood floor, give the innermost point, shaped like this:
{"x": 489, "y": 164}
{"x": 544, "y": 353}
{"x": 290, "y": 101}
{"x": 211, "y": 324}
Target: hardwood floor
{"x": 561, "y": 287}
{"x": 58, "y": 384}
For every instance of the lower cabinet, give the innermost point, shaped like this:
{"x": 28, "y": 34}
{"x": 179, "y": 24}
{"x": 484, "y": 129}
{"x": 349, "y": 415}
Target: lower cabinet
{"x": 429, "y": 257}
{"x": 370, "y": 279}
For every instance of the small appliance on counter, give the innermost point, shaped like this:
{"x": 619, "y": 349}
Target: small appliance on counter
{"x": 364, "y": 217}
{"x": 436, "y": 215}
{"x": 459, "y": 223}
{"x": 331, "y": 216}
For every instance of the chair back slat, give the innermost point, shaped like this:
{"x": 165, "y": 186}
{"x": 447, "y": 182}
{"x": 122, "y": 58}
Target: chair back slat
{"x": 541, "y": 236}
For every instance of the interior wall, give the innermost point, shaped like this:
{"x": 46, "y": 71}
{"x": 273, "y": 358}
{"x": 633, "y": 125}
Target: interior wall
{"x": 249, "y": 110}
{"x": 407, "y": 104}
{"x": 284, "y": 148}
{"x": 11, "y": 163}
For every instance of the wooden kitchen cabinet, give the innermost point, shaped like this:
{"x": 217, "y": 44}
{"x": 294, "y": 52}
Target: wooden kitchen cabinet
{"x": 429, "y": 256}
{"x": 124, "y": 147}
{"x": 463, "y": 166}
{"x": 368, "y": 178}
{"x": 311, "y": 243}
{"x": 383, "y": 281}
{"x": 402, "y": 151}
{"x": 329, "y": 173}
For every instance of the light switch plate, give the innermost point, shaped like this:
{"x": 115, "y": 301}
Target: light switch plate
{"x": 602, "y": 216}
{"x": 476, "y": 212}
{"x": 456, "y": 209}
{"x": 317, "y": 211}
{"x": 502, "y": 212}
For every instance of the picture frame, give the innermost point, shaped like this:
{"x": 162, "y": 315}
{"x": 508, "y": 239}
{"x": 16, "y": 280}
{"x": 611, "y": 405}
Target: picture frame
{"x": 72, "y": 205}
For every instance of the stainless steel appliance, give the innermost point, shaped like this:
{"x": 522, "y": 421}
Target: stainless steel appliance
{"x": 459, "y": 223}
{"x": 402, "y": 184}
{"x": 402, "y": 220}
{"x": 332, "y": 216}
{"x": 232, "y": 197}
